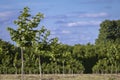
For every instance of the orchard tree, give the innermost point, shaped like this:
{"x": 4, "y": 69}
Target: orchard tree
{"x": 15, "y": 62}
{"x": 54, "y": 53}
{"x": 41, "y": 45}
{"x": 26, "y": 32}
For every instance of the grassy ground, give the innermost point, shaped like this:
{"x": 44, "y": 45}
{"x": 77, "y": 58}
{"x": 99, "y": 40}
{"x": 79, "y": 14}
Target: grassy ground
{"x": 63, "y": 77}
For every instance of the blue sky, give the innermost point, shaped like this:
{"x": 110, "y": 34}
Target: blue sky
{"x": 72, "y": 21}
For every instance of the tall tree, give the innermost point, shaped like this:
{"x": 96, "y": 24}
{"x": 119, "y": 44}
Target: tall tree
{"x": 25, "y": 33}
{"x": 109, "y": 32}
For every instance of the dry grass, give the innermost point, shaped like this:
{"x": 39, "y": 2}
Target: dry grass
{"x": 62, "y": 77}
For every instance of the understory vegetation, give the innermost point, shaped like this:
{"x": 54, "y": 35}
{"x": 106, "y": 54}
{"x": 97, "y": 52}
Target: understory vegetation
{"x": 66, "y": 59}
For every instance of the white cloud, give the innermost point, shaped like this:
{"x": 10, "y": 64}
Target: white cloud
{"x": 83, "y": 23}
{"x": 65, "y": 32}
{"x": 94, "y": 15}
{"x": 7, "y": 17}
{"x": 5, "y": 14}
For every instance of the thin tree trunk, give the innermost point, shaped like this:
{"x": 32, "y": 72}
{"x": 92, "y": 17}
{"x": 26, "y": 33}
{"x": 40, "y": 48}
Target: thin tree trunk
{"x": 40, "y": 68}
{"x": 57, "y": 71}
{"x": 63, "y": 68}
{"x": 22, "y": 67}
{"x": 6, "y": 70}
{"x": 16, "y": 70}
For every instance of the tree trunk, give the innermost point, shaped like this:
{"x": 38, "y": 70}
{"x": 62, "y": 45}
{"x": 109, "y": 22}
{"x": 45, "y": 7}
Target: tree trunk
{"x": 40, "y": 68}
{"x": 16, "y": 70}
{"x": 63, "y": 68}
{"x": 22, "y": 66}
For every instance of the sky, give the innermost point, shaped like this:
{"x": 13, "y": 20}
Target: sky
{"x": 72, "y": 21}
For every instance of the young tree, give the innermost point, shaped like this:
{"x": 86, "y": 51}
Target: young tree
{"x": 40, "y": 45}
{"x": 25, "y": 33}
{"x": 15, "y": 62}
{"x": 54, "y": 52}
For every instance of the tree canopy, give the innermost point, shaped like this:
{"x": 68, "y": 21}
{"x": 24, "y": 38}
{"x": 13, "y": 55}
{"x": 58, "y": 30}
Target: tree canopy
{"x": 109, "y": 32}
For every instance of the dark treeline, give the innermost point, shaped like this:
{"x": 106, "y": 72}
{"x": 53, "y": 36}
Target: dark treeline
{"x": 50, "y": 57}
{"x": 62, "y": 59}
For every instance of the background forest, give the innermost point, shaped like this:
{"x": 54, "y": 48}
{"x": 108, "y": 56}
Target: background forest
{"x": 57, "y": 58}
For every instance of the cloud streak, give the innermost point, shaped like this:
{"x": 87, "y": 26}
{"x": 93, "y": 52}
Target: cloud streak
{"x": 83, "y": 23}
{"x": 66, "y": 32}
{"x": 5, "y": 16}
{"x": 79, "y": 15}
{"x": 93, "y": 15}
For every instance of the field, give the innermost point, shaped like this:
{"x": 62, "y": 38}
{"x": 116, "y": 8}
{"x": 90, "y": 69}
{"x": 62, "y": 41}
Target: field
{"x": 62, "y": 77}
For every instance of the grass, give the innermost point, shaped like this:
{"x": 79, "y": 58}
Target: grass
{"x": 62, "y": 77}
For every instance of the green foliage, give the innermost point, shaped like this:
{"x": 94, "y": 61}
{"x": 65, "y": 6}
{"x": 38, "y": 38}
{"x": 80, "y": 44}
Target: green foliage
{"x": 109, "y": 59}
{"x": 109, "y": 32}
{"x": 25, "y": 34}
{"x": 108, "y": 48}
